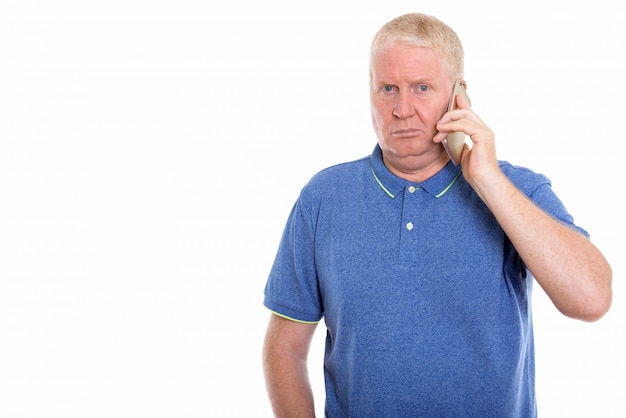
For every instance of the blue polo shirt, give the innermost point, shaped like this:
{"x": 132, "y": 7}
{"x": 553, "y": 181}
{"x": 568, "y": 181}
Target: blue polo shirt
{"x": 425, "y": 300}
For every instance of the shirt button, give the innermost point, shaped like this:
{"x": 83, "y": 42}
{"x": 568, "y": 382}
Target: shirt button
{"x": 409, "y": 226}
{"x": 412, "y": 189}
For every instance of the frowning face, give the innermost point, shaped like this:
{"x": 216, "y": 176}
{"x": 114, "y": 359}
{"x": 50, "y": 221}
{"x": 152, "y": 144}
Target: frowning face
{"x": 409, "y": 92}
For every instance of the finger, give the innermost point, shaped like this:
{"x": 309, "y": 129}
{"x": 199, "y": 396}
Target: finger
{"x": 439, "y": 137}
{"x": 461, "y": 103}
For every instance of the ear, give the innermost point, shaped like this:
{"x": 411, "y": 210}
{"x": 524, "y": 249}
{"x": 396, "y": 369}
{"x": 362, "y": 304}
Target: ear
{"x": 464, "y": 84}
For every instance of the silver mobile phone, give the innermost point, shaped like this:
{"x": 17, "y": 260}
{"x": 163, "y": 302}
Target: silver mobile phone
{"x": 453, "y": 144}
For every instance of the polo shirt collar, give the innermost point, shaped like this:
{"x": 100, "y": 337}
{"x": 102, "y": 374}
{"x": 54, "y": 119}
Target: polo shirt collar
{"x": 393, "y": 185}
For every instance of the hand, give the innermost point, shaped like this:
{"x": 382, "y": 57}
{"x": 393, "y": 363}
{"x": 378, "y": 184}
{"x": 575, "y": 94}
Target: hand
{"x": 479, "y": 160}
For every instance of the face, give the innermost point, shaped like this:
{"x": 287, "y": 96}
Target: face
{"x": 410, "y": 90}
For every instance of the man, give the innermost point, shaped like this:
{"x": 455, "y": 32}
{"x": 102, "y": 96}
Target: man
{"x": 421, "y": 269}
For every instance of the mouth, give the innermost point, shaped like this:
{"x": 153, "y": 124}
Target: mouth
{"x": 405, "y": 133}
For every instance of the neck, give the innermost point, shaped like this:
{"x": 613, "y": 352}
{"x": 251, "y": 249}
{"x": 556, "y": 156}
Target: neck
{"x": 414, "y": 168}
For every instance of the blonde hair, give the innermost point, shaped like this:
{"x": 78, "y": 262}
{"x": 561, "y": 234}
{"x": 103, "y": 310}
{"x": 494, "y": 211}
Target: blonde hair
{"x": 419, "y": 29}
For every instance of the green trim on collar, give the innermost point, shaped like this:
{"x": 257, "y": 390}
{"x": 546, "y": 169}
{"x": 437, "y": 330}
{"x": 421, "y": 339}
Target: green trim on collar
{"x": 391, "y": 195}
{"x": 379, "y": 182}
{"x": 449, "y": 185}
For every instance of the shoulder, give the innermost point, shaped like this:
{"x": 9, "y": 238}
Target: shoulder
{"x": 524, "y": 178}
{"x": 335, "y": 176}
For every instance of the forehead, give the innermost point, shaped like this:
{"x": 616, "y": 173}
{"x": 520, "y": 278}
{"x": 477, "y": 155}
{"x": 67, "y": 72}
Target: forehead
{"x": 401, "y": 61}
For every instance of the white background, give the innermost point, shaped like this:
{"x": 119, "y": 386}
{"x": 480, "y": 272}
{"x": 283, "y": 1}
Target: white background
{"x": 150, "y": 152}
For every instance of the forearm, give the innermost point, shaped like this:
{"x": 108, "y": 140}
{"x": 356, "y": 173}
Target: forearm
{"x": 288, "y": 385}
{"x": 570, "y": 269}
{"x": 285, "y": 353}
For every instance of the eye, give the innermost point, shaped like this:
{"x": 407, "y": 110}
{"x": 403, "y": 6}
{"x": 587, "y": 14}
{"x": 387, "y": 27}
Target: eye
{"x": 423, "y": 88}
{"x": 388, "y": 88}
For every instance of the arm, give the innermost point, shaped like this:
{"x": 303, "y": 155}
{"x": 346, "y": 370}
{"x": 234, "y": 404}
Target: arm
{"x": 571, "y": 270}
{"x": 285, "y": 353}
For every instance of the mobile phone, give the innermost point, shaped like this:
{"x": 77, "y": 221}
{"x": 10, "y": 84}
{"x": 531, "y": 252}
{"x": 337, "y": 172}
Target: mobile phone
{"x": 453, "y": 144}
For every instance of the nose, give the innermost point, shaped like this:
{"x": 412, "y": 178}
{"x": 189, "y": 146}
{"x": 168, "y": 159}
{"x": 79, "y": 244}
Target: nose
{"x": 403, "y": 108}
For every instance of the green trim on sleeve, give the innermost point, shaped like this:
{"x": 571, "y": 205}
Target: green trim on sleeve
{"x": 292, "y": 319}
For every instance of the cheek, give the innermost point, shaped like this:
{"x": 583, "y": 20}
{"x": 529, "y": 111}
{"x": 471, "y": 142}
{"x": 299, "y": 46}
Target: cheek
{"x": 431, "y": 116}
{"x": 379, "y": 118}
{"x": 378, "y": 122}
{"x": 439, "y": 110}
